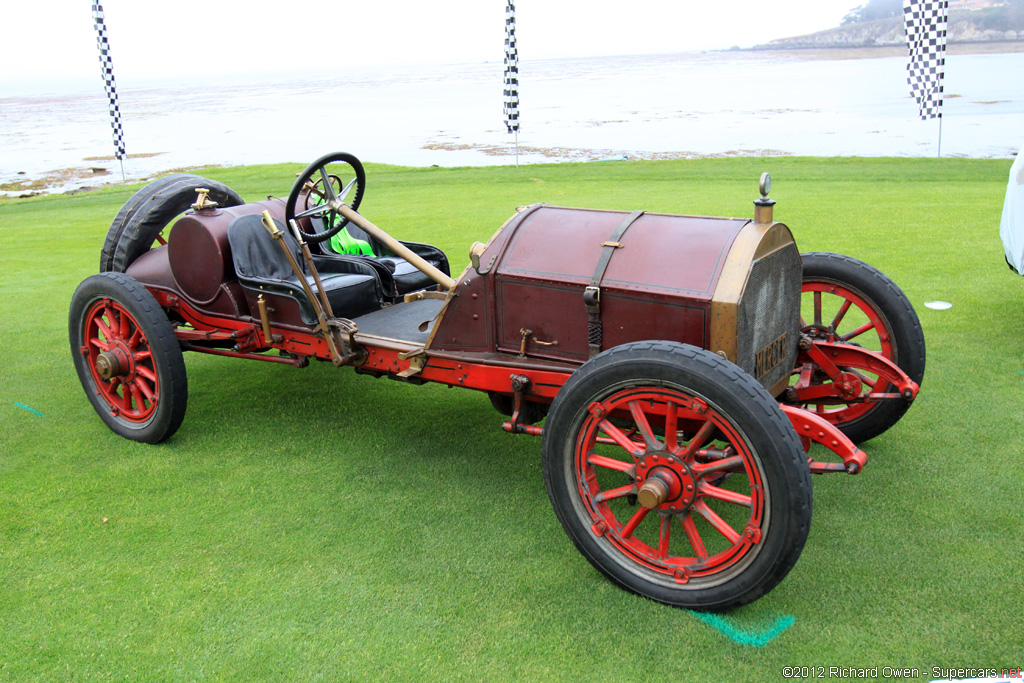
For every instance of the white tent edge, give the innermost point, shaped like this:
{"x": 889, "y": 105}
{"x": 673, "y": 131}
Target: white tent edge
{"x": 1011, "y": 226}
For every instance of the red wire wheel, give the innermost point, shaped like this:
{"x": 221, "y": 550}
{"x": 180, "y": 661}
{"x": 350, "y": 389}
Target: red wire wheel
{"x": 677, "y": 476}
{"x": 677, "y": 481}
{"x": 127, "y": 357}
{"x": 120, "y": 361}
{"x": 850, "y": 302}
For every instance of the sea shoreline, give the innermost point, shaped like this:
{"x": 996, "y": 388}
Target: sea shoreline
{"x": 790, "y": 102}
{"x": 880, "y": 51}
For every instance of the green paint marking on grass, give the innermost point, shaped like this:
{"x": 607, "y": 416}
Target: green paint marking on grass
{"x": 744, "y": 636}
{"x": 31, "y": 410}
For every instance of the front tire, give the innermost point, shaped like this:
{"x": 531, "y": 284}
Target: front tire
{"x": 636, "y": 451}
{"x": 849, "y": 301}
{"x": 127, "y": 357}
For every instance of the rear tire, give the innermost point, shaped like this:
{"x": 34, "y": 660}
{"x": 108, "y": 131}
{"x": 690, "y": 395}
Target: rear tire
{"x": 127, "y": 357}
{"x": 148, "y": 212}
{"x": 708, "y": 544}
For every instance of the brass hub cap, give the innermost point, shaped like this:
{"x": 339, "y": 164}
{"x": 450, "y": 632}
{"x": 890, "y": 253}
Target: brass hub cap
{"x": 666, "y": 482}
{"x": 112, "y": 363}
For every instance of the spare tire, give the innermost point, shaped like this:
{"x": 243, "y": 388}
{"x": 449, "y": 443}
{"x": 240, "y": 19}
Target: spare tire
{"x": 148, "y": 212}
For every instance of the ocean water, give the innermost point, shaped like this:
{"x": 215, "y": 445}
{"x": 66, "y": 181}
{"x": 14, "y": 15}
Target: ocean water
{"x": 649, "y": 106}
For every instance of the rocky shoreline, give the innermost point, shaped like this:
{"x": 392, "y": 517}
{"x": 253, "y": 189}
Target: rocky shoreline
{"x": 963, "y": 30}
{"x": 879, "y": 51}
{"x": 100, "y": 171}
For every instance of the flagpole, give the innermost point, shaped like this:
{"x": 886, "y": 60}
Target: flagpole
{"x": 926, "y": 23}
{"x": 109, "y": 84}
{"x": 511, "y": 93}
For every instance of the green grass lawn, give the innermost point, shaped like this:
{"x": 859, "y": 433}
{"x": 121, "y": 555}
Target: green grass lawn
{"x": 314, "y": 524}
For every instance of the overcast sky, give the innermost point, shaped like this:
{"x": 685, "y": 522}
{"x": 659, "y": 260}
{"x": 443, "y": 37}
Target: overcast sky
{"x": 55, "y": 39}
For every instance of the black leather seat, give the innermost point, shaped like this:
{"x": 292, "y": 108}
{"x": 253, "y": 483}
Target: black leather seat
{"x": 407, "y": 277}
{"x": 353, "y": 288}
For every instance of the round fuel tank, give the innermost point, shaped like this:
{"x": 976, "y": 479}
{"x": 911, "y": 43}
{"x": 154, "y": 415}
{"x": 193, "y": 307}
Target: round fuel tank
{"x": 199, "y": 251}
{"x": 199, "y": 254}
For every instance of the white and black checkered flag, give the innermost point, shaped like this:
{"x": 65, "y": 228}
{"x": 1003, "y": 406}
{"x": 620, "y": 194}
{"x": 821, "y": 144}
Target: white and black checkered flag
{"x": 926, "y": 39}
{"x": 107, "y": 67}
{"x": 511, "y": 70}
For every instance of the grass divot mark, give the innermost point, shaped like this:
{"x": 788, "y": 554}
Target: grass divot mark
{"x": 31, "y": 410}
{"x": 744, "y": 636}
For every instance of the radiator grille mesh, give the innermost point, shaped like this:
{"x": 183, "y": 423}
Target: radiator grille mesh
{"x": 769, "y": 309}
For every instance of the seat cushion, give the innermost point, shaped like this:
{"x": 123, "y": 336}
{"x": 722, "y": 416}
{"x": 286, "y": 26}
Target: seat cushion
{"x": 408, "y": 278}
{"x": 351, "y": 295}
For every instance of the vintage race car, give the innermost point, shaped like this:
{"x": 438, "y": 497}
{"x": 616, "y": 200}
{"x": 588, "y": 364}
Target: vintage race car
{"x": 681, "y": 367}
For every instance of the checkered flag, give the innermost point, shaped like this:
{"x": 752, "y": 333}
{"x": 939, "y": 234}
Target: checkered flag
{"x": 926, "y": 39}
{"x": 107, "y": 67}
{"x": 511, "y": 70}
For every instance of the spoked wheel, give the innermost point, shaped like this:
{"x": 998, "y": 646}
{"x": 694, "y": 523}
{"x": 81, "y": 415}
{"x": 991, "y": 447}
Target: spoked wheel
{"x": 127, "y": 357}
{"x": 337, "y": 177}
{"x": 850, "y": 302}
{"x": 139, "y": 225}
{"x": 677, "y": 476}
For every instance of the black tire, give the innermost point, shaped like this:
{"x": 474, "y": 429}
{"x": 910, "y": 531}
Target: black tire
{"x": 149, "y": 210}
{"x": 145, "y": 398}
{"x": 901, "y": 325}
{"x": 734, "y": 409}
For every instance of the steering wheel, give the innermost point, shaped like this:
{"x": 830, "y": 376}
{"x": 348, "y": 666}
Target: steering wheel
{"x": 320, "y": 191}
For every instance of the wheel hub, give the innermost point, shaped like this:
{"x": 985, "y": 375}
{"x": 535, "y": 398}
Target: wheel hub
{"x": 848, "y": 385}
{"x": 665, "y": 482}
{"x": 113, "y": 363}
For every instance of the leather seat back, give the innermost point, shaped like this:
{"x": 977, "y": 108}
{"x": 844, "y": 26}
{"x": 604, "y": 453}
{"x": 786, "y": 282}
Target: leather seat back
{"x": 353, "y": 288}
{"x": 257, "y": 255}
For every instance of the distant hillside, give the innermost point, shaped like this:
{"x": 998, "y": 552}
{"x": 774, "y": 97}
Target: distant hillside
{"x": 994, "y": 24}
